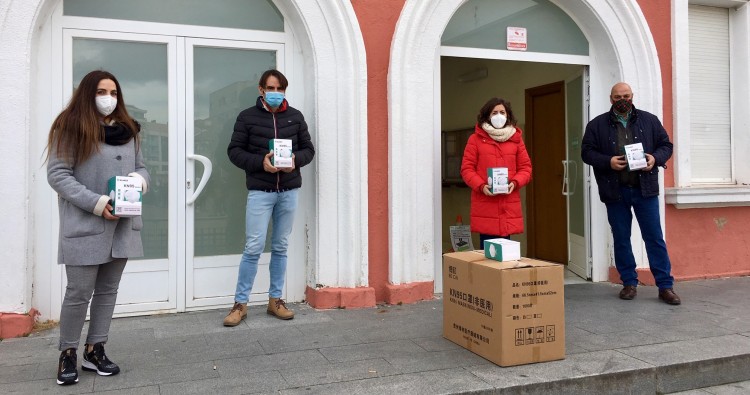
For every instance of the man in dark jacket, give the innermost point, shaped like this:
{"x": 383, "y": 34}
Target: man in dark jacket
{"x": 624, "y": 191}
{"x": 272, "y": 191}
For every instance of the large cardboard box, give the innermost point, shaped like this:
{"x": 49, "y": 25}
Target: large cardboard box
{"x": 511, "y": 313}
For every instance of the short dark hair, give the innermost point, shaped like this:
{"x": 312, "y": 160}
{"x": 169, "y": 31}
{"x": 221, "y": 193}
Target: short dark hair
{"x": 484, "y": 113}
{"x": 275, "y": 73}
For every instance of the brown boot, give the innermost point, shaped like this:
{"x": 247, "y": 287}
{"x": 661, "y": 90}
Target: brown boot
{"x": 277, "y": 307}
{"x": 236, "y": 315}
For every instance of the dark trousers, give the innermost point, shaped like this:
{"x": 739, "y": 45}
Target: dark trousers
{"x": 620, "y": 215}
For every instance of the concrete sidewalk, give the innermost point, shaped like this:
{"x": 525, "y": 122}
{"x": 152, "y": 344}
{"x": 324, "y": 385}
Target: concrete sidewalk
{"x": 642, "y": 346}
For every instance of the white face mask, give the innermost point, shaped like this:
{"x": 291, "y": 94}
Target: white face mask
{"x": 498, "y": 120}
{"x": 106, "y": 104}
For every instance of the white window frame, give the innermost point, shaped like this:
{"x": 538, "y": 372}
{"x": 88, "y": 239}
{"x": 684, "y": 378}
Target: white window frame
{"x": 686, "y": 193}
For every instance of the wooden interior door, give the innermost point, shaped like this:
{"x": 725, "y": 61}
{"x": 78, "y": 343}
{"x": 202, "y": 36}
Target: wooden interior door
{"x": 546, "y": 205}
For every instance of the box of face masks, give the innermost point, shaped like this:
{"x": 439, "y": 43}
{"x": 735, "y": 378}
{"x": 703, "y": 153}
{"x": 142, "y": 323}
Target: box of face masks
{"x": 125, "y": 194}
{"x": 497, "y": 179}
{"x": 511, "y": 313}
{"x": 282, "y": 152}
{"x": 636, "y": 156}
{"x": 502, "y": 249}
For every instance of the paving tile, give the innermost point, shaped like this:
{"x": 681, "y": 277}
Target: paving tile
{"x": 321, "y": 339}
{"x": 612, "y": 340}
{"x": 642, "y": 346}
{"x": 10, "y": 374}
{"x": 269, "y": 382}
{"x": 690, "y": 351}
{"x": 337, "y": 372}
{"x": 696, "y": 363}
{"x": 85, "y": 384}
{"x": 235, "y": 367}
{"x": 605, "y": 371}
{"x": 434, "y": 382}
{"x": 147, "y": 390}
{"x": 142, "y": 376}
{"x": 436, "y": 343}
{"x": 370, "y": 350}
{"x": 741, "y": 388}
{"x": 436, "y": 360}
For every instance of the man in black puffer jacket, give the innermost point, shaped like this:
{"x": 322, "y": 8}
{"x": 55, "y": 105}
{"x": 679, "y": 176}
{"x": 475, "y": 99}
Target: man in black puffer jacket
{"x": 625, "y": 192}
{"x": 272, "y": 191}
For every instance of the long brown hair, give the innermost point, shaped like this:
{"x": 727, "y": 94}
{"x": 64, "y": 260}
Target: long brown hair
{"x": 76, "y": 133}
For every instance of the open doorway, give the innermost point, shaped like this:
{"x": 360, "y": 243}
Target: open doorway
{"x": 548, "y": 101}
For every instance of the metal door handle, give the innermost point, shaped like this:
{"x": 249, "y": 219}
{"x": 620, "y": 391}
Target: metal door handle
{"x": 207, "y": 168}
{"x": 567, "y": 190}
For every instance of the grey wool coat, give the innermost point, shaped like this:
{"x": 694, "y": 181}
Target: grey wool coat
{"x": 85, "y": 237}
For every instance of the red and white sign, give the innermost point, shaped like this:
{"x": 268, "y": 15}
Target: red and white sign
{"x": 516, "y": 38}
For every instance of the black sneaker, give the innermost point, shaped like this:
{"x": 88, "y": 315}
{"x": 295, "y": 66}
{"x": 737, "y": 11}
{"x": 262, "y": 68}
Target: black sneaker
{"x": 67, "y": 369}
{"x": 97, "y": 361}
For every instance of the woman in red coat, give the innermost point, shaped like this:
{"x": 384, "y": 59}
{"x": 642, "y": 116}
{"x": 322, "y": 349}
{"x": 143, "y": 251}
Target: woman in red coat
{"x": 496, "y": 142}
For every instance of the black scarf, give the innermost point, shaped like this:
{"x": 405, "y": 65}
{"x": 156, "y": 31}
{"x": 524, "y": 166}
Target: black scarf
{"x": 118, "y": 134}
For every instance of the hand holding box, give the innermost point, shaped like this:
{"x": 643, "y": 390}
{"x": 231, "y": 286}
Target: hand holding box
{"x": 126, "y": 196}
{"x": 497, "y": 180}
{"x": 282, "y": 153}
{"x": 636, "y": 156}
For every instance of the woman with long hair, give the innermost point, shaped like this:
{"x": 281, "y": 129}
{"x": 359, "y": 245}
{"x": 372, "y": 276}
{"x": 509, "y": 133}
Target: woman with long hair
{"x": 92, "y": 140}
{"x": 496, "y": 142}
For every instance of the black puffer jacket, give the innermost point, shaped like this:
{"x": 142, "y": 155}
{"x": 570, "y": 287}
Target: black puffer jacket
{"x": 599, "y": 145}
{"x": 253, "y": 129}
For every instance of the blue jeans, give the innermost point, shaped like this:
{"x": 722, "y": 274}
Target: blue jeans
{"x": 647, "y": 213}
{"x": 261, "y": 208}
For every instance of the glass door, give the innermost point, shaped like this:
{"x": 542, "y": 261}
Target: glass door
{"x": 144, "y": 65}
{"x": 222, "y": 80}
{"x": 186, "y": 93}
{"x": 574, "y": 185}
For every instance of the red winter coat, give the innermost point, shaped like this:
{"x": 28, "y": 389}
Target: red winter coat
{"x": 499, "y": 215}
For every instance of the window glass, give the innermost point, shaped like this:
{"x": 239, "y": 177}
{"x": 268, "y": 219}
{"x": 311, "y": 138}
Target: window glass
{"x": 483, "y": 24}
{"x": 710, "y": 141}
{"x": 239, "y": 14}
{"x": 141, "y": 69}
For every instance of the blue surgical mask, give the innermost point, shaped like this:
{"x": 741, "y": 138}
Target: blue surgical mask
{"x": 274, "y": 99}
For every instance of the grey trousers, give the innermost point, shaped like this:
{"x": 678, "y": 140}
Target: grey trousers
{"x": 101, "y": 280}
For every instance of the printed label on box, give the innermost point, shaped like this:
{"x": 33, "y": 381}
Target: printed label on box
{"x": 126, "y": 194}
{"x": 636, "y": 156}
{"x": 497, "y": 179}
{"x": 282, "y": 152}
{"x": 511, "y": 313}
{"x": 461, "y": 238}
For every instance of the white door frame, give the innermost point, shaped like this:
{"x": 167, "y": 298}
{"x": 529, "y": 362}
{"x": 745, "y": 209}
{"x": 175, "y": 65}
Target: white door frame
{"x": 193, "y": 263}
{"x": 617, "y": 32}
{"x": 579, "y": 249}
{"x": 488, "y": 54}
{"x": 335, "y": 184}
{"x": 176, "y": 196}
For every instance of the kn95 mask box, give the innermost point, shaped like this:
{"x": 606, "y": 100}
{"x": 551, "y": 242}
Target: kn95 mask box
{"x": 502, "y": 249}
{"x": 497, "y": 179}
{"x": 282, "y": 152}
{"x": 125, "y": 194}
{"x": 636, "y": 156}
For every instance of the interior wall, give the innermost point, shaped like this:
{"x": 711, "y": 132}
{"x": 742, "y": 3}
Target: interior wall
{"x": 461, "y": 102}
